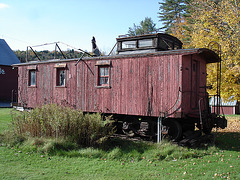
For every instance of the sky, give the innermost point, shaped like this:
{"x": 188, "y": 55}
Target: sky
{"x": 74, "y": 22}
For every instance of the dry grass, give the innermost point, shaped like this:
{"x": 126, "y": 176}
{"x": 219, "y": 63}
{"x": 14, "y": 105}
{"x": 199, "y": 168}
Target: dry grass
{"x": 53, "y": 121}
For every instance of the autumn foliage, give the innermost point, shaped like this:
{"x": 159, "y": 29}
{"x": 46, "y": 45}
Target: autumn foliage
{"x": 206, "y": 21}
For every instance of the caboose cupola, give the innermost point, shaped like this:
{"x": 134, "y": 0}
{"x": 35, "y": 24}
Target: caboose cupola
{"x": 148, "y": 43}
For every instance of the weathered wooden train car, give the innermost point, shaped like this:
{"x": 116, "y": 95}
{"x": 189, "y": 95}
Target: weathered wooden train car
{"x": 138, "y": 85}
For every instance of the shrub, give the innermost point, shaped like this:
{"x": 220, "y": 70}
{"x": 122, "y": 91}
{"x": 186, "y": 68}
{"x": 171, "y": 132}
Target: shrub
{"x": 62, "y": 122}
{"x": 9, "y": 138}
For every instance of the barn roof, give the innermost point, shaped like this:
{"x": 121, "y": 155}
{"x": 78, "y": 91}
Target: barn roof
{"x": 213, "y": 101}
{"x": 207, "y": 54}
{"x": 7, "y": 56}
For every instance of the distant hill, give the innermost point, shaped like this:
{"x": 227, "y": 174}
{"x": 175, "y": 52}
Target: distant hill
{"x": 47, "y": 55}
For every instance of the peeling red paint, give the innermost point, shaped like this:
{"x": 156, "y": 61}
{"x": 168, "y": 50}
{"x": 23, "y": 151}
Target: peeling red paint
{"x": 139, "y": 85}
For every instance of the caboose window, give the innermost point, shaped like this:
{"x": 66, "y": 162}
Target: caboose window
{"x": 145, "y": 43}
{"x": 61, "y": 76}
{"x": 103, "y": 75}
{"x": 128, "y": 44}
{"x": 32, "y": 78}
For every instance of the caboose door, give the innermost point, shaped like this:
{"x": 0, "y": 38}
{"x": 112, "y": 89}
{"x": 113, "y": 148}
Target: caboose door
{"x": 195, "y": 84}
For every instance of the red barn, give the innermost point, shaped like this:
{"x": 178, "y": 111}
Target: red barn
{"x": 143, "y": 82}
{"x": 8, "y": 75}
{"x": 227, "y": 107}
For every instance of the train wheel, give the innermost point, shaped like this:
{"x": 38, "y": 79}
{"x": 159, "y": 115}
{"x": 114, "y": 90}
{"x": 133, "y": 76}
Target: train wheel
{"x": 188, "y": 127}
{"x": 207, "y": 126}
{"x": 174, "y": 129}
{"x": 129, "y": 133}
{"x": 127, "y": 130}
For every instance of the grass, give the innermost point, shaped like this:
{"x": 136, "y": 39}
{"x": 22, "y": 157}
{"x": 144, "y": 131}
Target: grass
{"x": 233, "y": 116}
{"x": 229, "y": 138}
{"x": 21, "y": 165}
{"x": 121, "y": 159}
{"x": 5, "y": 117}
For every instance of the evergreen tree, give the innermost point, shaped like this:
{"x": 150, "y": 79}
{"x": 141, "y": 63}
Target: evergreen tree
{"x": 177, "y": 19}
{"x": 146, "y": 26}
{"x": 172, "y": 13}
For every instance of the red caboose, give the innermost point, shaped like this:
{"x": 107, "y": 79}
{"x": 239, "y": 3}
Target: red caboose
{"x": 150, "y": 77}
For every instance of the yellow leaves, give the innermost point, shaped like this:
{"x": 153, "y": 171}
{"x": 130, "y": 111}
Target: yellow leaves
{"x": 218, "y": 22}
{"x": 221, "y": 23}
{"x": 233, "y": 125}
{"x": 231, "y": 82}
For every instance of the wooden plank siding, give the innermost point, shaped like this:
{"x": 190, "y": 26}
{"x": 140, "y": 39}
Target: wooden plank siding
{"x": 192, "y": 96}
{"x": 139, "y": 85}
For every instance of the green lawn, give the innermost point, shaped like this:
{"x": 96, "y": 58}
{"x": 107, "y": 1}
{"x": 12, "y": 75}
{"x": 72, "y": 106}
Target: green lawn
{"x": 221, "y": 163}
{"x": 5, "y": 118}
{"x": 16, "y": 165}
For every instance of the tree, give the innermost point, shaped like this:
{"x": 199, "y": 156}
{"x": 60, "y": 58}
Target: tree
{"x": 146, "y": 26}
{"x": 198, "y": 22}
{"x": 220, "y": 21}
{"x": 176, "y": 18}
{"x": 171, "y": 13}
{"x": 46, "y": 55}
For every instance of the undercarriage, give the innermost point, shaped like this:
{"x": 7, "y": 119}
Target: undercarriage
{"x": 189, "y": 131}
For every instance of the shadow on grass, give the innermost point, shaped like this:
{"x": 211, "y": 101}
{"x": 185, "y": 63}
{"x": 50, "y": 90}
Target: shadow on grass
{"x": 228, "y": 141}
{"x": 126, "y": 146}
{"x": 112, "y": 148}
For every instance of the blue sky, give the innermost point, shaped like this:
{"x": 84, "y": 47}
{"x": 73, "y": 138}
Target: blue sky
{"x": 31, "y": 22}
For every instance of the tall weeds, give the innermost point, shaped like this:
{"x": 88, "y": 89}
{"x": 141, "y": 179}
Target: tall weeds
{"x": 62, "y": 122}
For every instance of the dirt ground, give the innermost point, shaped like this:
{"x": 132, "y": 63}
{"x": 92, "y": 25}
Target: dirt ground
{"x": 233, "y": 124}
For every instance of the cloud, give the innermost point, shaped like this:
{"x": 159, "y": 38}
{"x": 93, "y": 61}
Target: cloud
{"x": 2, "y": 6}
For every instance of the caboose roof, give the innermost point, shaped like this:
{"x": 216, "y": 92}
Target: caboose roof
{"x": 7, "y": 56}
{"x": 209, "y": 55}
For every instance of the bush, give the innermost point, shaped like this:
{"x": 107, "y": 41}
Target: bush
{"x": 62, "y": 122}
{"x": 9, "y": 138}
